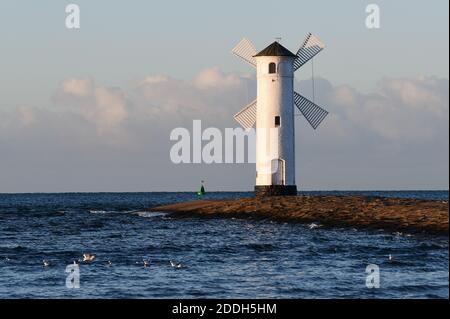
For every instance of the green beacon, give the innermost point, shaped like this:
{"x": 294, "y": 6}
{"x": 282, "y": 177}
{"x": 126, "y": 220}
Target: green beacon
{"x": 202, "y": 190}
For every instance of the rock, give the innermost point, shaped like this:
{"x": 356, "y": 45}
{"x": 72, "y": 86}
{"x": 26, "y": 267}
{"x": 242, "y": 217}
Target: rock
{"x": 393, "y": 214}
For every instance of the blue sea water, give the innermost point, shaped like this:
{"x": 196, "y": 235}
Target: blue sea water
{"x": 220, "y": 258}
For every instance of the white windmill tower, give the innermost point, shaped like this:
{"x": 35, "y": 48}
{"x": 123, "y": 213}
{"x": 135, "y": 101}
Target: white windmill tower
{"x": 273, "y": 111}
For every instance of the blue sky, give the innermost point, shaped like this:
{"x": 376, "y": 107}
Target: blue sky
{"x": 121, "y": 40}
{"x": 120, "y": 43}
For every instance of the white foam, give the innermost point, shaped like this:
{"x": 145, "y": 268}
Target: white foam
{"x": 314, "y": 225}
{"x": 150, "y": 214}
{"x": 98, "y": 212}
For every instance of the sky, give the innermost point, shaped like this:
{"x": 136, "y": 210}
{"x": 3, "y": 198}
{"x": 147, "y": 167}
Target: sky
{"x": 92, "y": 109}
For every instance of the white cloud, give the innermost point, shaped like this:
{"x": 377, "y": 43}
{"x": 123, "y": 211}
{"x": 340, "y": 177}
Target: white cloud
{"x": 214, "y": 78}
{"x": 110, "y": 108}
{"x": 429, "y": 94}
{"x": 25, "y": 115}
{"x": 400, "y": 110}
{"x": 211, "y": 96}
{"x": 78, "y": 87}
{"x": 106, "y": 108}
{"x": 396, "y": 136}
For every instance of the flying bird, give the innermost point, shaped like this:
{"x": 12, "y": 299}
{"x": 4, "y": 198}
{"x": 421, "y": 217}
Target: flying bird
{"x": 175, "y": 264}
{"x": 88, "y": 257}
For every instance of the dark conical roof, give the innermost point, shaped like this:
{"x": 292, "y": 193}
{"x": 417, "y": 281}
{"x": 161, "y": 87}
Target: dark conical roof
{"x": 275, "y": 49}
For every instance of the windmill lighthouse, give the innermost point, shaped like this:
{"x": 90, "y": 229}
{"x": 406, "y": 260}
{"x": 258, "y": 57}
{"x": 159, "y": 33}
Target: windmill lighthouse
{"x": 273, "y": 111}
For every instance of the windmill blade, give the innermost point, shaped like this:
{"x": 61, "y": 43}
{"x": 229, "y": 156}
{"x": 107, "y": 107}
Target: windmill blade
{"x": 310, "y": 47}
{"x": 313, "y": 113}
{"x": 247, "y": 116}
{"x": 245, "y": 50}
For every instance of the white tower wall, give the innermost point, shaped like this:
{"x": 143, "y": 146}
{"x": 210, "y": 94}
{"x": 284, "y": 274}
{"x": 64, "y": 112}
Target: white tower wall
{"x": 275, "y": 98}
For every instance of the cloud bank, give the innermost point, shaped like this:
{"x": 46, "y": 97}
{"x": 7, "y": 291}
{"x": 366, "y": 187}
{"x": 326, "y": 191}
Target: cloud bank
{"x": 92, "y": 137}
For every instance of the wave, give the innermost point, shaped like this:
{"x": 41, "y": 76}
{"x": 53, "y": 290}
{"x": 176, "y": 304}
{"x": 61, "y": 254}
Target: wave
{"x": 150, "y": 214}
{"x": 144, "y": 214}
{"x": 12, "y": 251}
{"x": 15, "y": 248}
{"x": 102, "y": 211}
{"x": 167, "y": 247}
{"x": 260, "y": 246}
{"x": 424, "y": 246}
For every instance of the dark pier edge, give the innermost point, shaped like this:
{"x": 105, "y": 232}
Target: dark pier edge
{"x": 275, "y": 190}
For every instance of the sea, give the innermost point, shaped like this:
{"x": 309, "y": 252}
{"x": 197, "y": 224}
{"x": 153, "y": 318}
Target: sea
{"x": 205, "y": 257}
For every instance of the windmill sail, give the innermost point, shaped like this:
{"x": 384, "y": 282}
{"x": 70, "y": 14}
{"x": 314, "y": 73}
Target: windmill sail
{"x": 247, "y": 116}
{"x": 310, "y": 47}
{"x": 246, "y": 51}
{"x": 313, "y": 113}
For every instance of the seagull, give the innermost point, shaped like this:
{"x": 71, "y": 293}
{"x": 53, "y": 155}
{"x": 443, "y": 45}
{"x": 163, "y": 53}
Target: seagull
{"x": 88, "y": 257}
{"x": 175, "y": 265}
{"x": 313, "y": 225}
{"x": 143, "y": 262}
{"x": 46, "y": 263}
{"x": 109, "y": 263}
{"x": 391, "y": 258}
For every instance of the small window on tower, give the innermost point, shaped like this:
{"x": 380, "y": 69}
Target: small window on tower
{"x": 272, "y": 68}
{"x": 277, "y": 121}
